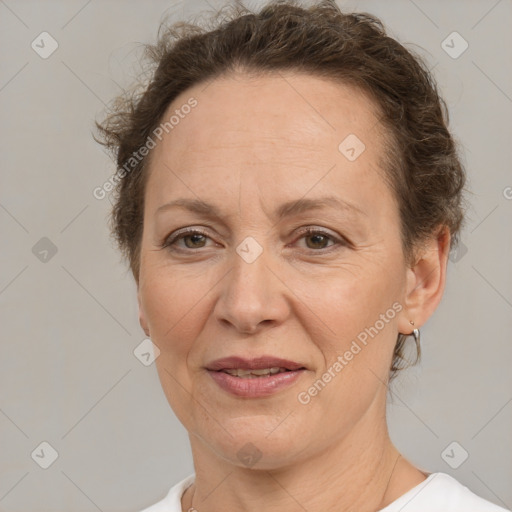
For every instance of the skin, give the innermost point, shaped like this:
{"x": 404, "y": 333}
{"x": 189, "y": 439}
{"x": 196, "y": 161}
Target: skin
{"x": 251, "y": 144}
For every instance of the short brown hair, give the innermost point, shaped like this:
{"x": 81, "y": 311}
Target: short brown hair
{"x": 422, "y": 165}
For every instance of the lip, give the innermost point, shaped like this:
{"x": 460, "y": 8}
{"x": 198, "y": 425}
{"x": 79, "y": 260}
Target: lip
{"x": 257, "y": 387}
{"x": 254, "y": 387}
{"x": 258, "y": 363}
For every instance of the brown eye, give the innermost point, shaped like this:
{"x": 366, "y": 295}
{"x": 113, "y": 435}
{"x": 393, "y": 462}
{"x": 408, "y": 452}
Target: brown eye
{"x": 191, "y": 239}
{"x": 196, "y": 240}
{"x": 318, "y": 241}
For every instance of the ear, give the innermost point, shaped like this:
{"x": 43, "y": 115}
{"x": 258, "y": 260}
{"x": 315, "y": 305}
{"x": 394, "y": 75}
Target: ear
{"x": 142, "y": 315}
{"x": 425, "y": 282}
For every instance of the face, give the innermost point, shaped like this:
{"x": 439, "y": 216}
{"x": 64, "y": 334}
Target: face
{"x": 237, "y": 267}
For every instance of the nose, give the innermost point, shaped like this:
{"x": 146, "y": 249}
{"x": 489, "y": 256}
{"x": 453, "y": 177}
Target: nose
{"x": 253, "y": 295}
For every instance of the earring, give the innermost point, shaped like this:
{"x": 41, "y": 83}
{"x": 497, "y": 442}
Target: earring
{"x": 415, "y": 333}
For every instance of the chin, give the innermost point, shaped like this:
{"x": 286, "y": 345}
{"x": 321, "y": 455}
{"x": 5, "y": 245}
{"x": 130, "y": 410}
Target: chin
{"x": 257, "y": 443}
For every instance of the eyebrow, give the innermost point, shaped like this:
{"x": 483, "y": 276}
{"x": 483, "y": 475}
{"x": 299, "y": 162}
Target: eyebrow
{"x": 287, "y": 209}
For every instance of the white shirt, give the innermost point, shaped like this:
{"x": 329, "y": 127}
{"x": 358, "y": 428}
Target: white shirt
{"x": 440, "y": 492}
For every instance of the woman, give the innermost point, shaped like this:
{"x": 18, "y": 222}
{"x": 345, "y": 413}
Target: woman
{"x": 287, "y": 194}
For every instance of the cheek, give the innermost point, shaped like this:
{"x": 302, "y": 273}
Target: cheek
{"x": 350, "y": 301}
{"x": 356, "y": 313}
{"x": 354, "y": 340}
{"x": 171, "y": 304}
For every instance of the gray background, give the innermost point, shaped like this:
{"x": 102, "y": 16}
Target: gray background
{"x": 68, "y": 375}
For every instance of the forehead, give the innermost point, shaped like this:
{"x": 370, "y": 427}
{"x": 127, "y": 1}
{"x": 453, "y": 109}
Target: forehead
{"x": 287, "y": 126}
{"x": 296, "y": 107}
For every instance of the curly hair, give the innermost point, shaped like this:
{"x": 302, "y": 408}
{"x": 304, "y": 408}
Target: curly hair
{"x": 422, "y": 166}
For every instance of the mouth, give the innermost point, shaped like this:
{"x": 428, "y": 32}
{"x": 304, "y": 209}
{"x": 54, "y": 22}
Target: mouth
{"x": 254, "y": 374}
{"x": 253, "y": 378}
{"x": 257, "y": 367}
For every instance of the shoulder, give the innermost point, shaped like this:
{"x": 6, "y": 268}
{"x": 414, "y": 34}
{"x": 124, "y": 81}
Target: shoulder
{"x": 172, "y": 501}
{"x": 441, "y": 492}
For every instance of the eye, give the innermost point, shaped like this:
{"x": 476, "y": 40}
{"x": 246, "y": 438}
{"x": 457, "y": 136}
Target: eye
{"x": 192, "y": 238}
{"x": 317, "y": 239}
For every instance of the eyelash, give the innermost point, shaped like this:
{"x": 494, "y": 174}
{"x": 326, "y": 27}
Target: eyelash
{"x": 170, "y": 241}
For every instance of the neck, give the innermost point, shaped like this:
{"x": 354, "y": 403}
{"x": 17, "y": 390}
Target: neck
{"x": 362, "y": 471}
